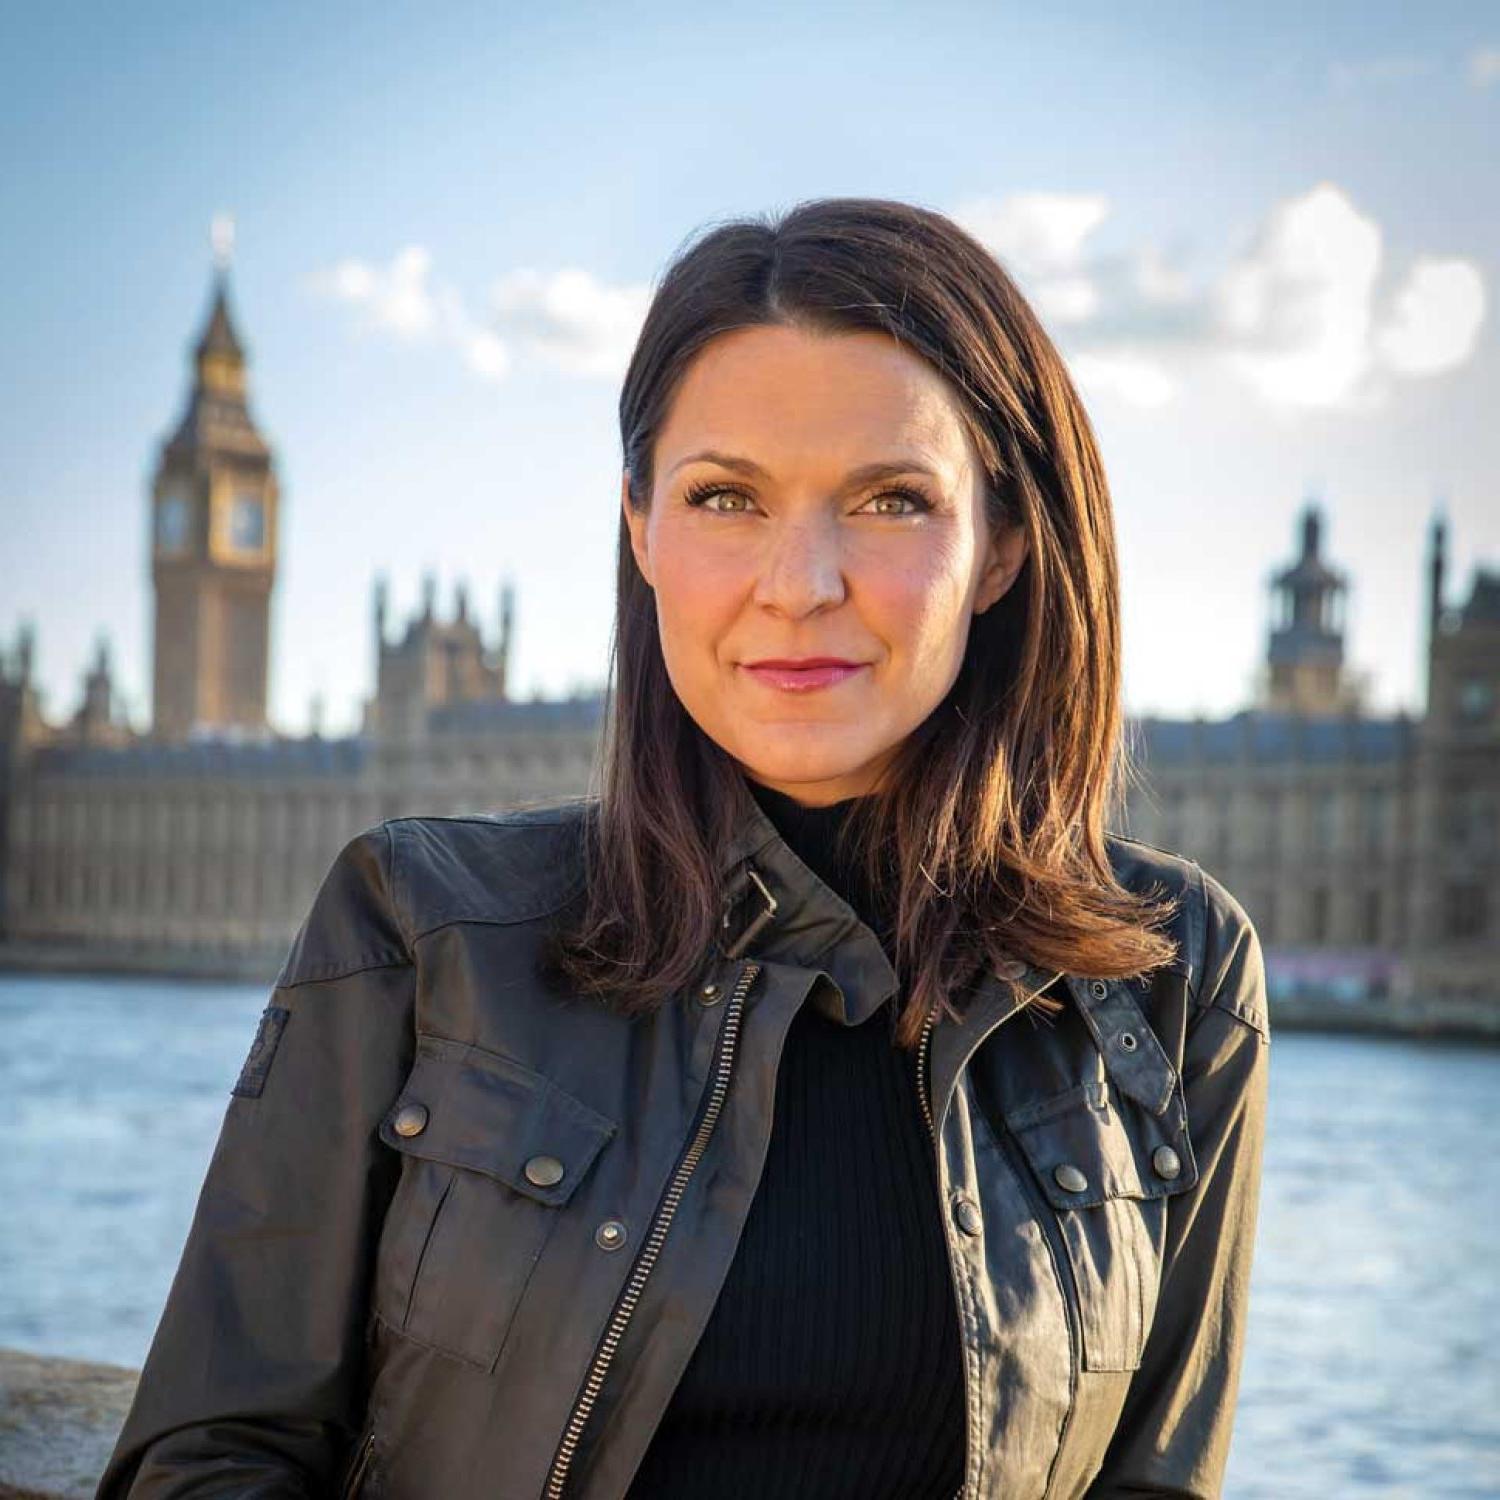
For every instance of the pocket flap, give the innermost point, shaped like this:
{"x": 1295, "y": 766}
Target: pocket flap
{"x": 475, "y": 1109}
{"x": 1081, "y": 1129}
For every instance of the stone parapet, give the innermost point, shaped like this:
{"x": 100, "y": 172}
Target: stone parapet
{"x": 58, "y": 1422}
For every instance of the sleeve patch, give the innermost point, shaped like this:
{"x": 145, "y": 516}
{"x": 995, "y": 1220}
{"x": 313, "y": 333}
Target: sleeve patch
{"x": 258, "y": 1064}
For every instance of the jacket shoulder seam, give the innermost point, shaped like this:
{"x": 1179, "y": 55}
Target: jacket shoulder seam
{"x": 441, "y": 919}
{"x": 417, "y": 919}
{"x": 385, "y": 942}
{"x": 346, "y": 969}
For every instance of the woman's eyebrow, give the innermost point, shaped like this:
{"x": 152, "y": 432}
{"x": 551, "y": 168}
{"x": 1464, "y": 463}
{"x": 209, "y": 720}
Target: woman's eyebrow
{"x": 881, "y": 469}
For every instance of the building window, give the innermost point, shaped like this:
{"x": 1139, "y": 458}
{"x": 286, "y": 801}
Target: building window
{"x": 1372, "y": 917}
{"x": 1476, "y": 700}
{"x": 1466, "y": 913}
{"x": 1320, "y": 822}
{"x": 1221, "y": 830}
{"x": 1456, "y": 814}
{"x": 1317, "y": 914}
{"x": 1484, "y": 821}
{"x": 1375, "y": 816}
{"x": 1264, "y": 916}
{"x": 1270, "y": 820}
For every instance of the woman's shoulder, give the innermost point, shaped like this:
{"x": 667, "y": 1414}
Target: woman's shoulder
{"x": 1219, "y": 949}
{"x": 509, "y": 866}
{"x": 395, "y": 882}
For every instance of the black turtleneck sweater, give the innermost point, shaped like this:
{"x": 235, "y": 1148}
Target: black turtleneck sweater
{"x": 831, "y": 1365}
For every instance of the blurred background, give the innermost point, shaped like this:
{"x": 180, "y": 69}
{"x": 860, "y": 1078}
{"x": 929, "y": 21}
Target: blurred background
{"x": 314, "y": 319}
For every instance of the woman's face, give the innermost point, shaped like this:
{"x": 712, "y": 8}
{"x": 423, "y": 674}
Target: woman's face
{"x": 772, "y": 544}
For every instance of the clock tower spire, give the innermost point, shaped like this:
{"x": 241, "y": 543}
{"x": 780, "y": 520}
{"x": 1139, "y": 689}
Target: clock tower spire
{"x": 213, "y": 499}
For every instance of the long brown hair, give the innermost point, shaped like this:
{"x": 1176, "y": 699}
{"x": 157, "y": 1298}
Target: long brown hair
{"x": 997, "y": 847}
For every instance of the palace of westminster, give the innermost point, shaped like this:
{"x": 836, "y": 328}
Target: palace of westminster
{"x": 1366, "y": 849}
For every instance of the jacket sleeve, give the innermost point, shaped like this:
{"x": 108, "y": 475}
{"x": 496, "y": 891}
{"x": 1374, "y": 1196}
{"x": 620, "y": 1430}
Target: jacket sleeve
{"x": 253, "y": 1386}
{"x": 1173, "y": 1436}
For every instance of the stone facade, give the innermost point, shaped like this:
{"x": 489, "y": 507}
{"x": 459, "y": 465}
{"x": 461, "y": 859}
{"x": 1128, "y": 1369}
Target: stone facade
{"x": 1366, "y": 849}
{"x": 196, "y": 845}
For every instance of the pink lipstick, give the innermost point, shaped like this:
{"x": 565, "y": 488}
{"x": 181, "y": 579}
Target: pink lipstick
{"x": 803, "y": 675}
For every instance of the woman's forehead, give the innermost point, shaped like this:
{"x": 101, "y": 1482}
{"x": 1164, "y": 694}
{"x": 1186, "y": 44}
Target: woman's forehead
{"x": 780, "y": 398}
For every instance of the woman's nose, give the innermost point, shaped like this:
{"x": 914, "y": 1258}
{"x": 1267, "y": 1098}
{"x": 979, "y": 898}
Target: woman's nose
{"x": 802, "y": 568}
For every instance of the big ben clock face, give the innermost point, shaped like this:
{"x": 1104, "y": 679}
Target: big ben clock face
{"x": 247, "y": 523}
{"x": 172, "y": 522}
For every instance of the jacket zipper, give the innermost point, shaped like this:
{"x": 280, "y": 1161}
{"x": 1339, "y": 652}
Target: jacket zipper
{"x": 666, "y": 1208}
{"x": 357, "y": 1473}
{"x": 922, "y": 1077}
{"x": 943, "y": 1209}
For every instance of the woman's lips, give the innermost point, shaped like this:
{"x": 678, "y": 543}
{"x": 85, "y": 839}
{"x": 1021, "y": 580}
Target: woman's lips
{"x": 804, "y": 679}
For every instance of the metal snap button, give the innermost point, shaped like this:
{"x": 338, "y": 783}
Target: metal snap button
{"x": 967, "y": 1216}
{"x": 411, "y": 1119}
{"x": 1010, "y": 968}
{"x": 710, "y": 994}
{"x": 1127, "y": 1040}
{"x": 1070, "y": 1178}
{"x": 1166, "y": 1161}
{"x": 544, "y": 1171}
{"x": 610, "y": 1235}
{"x": 1098, "y": 989}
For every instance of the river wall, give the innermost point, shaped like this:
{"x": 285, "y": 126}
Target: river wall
{"x": 58, "y": 1422}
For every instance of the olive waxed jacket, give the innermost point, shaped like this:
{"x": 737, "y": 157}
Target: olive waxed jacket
{"x": 461, "y": 1231}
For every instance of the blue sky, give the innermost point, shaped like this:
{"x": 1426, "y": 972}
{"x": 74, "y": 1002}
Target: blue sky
{"x": 1266, "y": 239}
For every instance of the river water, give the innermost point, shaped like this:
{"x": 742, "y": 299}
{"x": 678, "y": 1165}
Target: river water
{"x": 1373, "y": 1363}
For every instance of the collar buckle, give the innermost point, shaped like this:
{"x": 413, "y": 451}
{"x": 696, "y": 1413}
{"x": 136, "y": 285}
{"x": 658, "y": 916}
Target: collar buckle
{"x": 758, "y": 921}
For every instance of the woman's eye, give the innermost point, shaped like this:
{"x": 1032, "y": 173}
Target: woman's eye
{"x": 700, "y": 495}
{"x": 917, "y": 501}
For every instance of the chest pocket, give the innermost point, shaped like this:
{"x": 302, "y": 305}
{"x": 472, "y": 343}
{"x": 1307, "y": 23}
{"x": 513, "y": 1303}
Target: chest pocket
{"x": 1107, "y": 1166}
{"x": 492, "y": 1153}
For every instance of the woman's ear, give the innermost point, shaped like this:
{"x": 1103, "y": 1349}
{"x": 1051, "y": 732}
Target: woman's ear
{"x": 636, "y": 521}
{"x": 1003, "y": 559}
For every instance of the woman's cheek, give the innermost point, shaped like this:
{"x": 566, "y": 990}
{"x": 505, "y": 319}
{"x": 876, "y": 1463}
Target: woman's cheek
{"x": 933, "y": 627}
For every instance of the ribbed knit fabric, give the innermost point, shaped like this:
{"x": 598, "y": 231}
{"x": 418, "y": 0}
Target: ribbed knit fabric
{"x": 830, "y": 1368}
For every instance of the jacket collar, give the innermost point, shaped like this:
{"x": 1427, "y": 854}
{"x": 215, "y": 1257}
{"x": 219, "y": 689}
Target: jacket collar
{"x": 813, "y": 927}
{"x": 810, "y": 925}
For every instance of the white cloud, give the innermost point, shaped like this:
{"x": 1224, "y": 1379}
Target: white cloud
{"x": 1042, "y": 238}
{"x": 1434, "y": 318}
{"x": 1040, "y": 234}
{"x": 567, "y": 318}
{"x": 1294, "y": 312}
{"x": 403, "y": 299}
{"x": 571, "y": 318}
{"x": 1484, "y": 66}
{"x": 1135, "y": 378}
{"x": 1297, "y": 315}
{"x": 396, "y": 297}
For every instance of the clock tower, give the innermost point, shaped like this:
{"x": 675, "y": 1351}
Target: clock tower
{"x": 213, "y": 545}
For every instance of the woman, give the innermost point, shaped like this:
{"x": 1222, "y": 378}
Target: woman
{"x": 827, "y": 1107}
